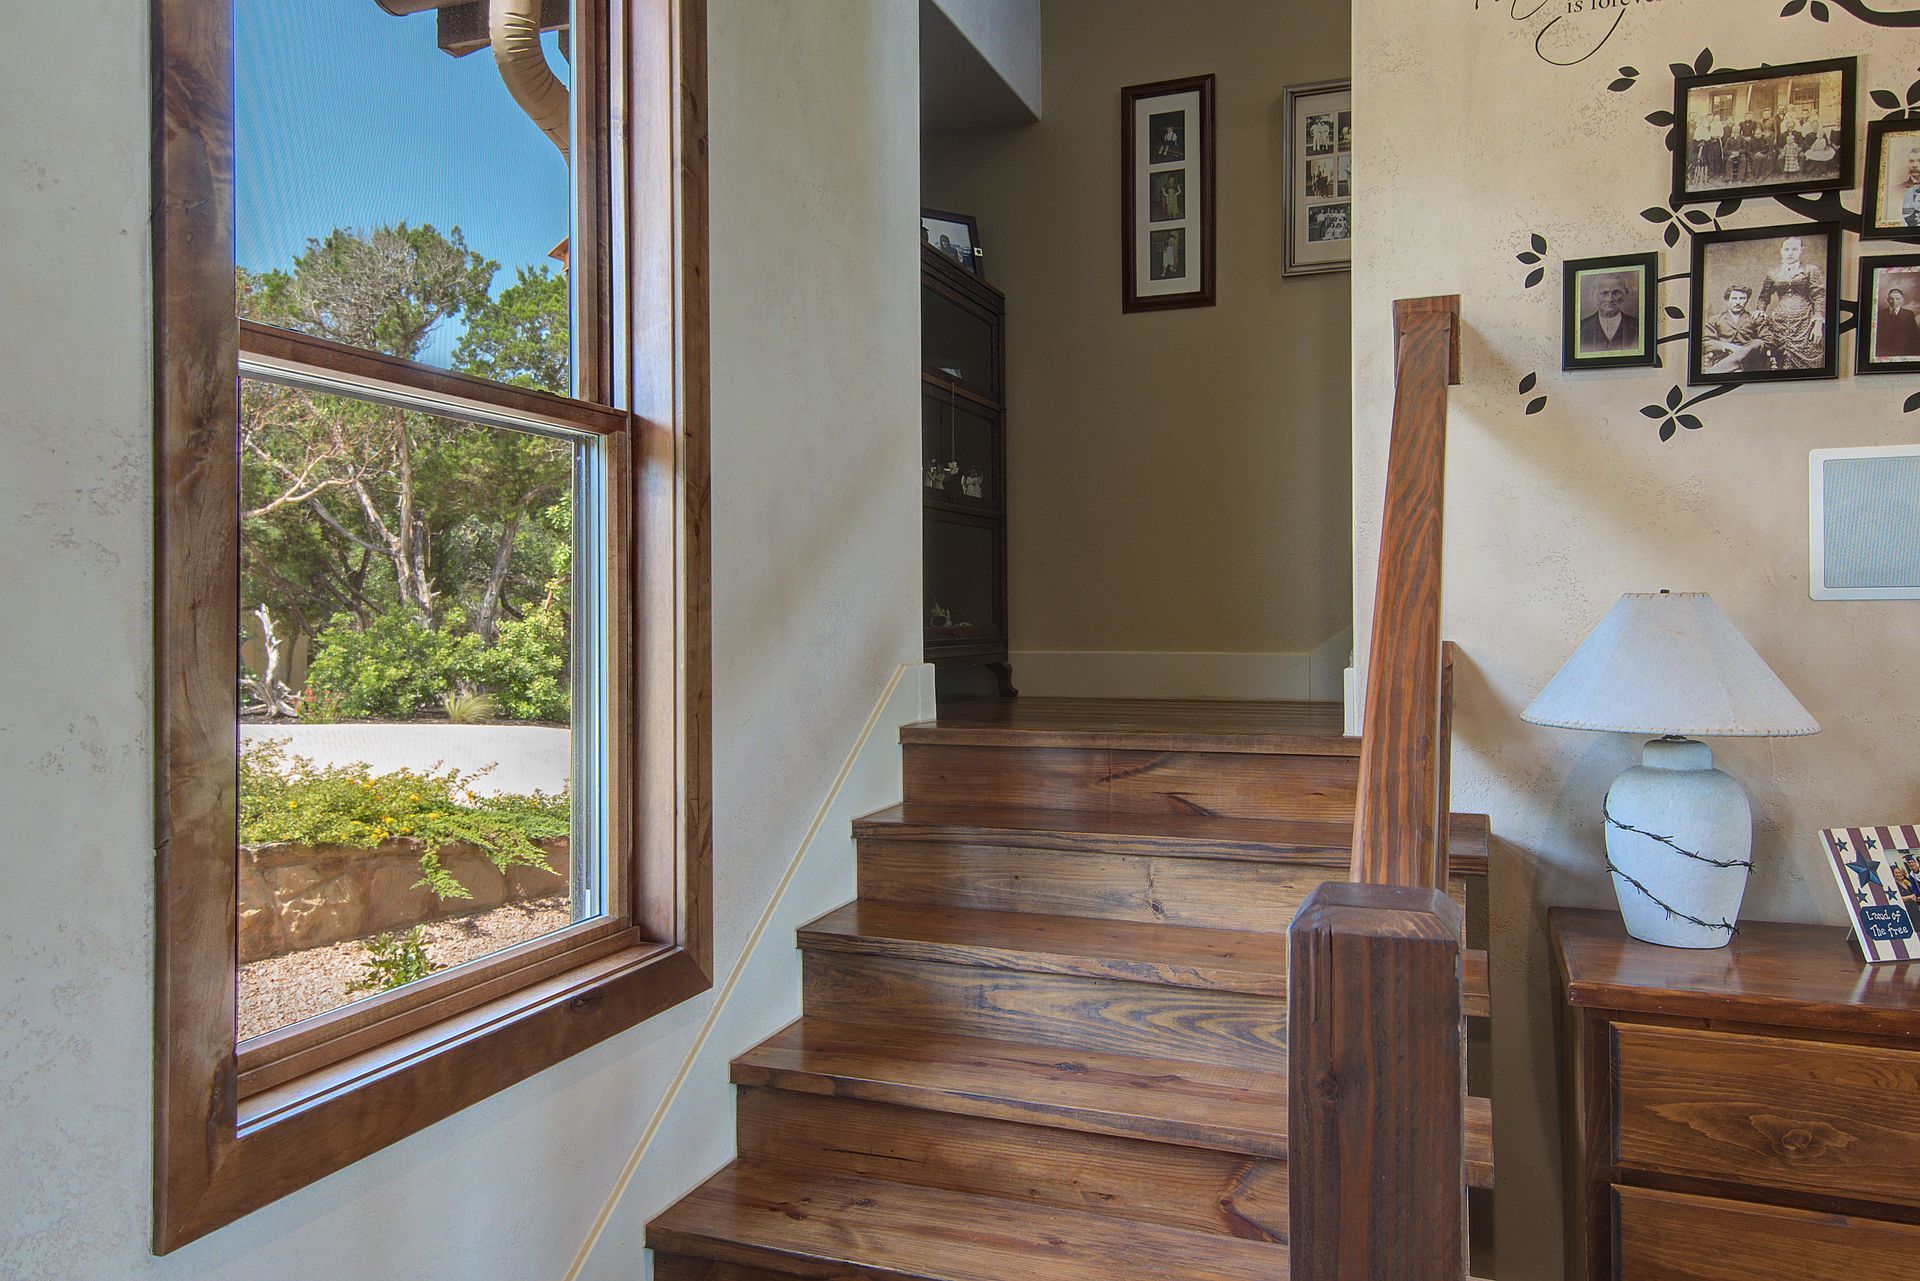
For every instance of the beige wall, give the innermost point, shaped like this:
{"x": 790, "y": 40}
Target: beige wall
{"x": 1179, "y": 480}
{"x": 1473, "y": 143}
{"x": 815, "y": 160}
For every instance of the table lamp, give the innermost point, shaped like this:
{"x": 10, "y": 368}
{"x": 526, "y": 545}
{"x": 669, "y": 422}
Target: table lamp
{"x": 1679, "y": 832}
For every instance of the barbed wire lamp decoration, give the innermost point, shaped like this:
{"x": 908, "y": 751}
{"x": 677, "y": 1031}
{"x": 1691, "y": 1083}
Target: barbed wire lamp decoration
{"x": 1679, "y": 832}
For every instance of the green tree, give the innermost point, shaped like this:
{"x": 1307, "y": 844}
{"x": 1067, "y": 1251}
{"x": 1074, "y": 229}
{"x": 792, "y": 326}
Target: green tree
{"x": 521, "y": 337}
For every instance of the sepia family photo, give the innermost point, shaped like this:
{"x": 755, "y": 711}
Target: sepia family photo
{"x": 1765, "y": 304}
{"x": 1166, "y": 194}
{"x": 1893, "y": 179}
{"x": 1889, "y": 321}
{"x": 1317, "y": 158}
{"x": 1766, "y": 132}
{"x": 1608, "y": 312}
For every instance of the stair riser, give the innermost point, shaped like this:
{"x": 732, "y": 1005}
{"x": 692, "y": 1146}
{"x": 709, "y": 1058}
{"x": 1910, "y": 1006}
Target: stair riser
{"x": 1103, "y": 781}
{"x": 1180, "y": 1187}
{"x": 1227, "y": 1028}
{"x": 1211, "y": 893}
{"x": 683, "y": 1267}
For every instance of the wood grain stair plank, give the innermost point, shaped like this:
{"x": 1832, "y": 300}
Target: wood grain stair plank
{"x": 1165, "y": 835}
{"x": 1229, "y": 1109}
{"x": 1169, "y": 955}
{"x": 815, "y": 1226}
{"x": 1232, "y": 1109}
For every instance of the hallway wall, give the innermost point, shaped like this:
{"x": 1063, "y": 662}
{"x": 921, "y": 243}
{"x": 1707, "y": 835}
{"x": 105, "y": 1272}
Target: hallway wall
{"x": 1178, "y": 480}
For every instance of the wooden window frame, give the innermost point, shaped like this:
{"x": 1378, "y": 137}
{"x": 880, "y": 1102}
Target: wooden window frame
{"x": 236, "y": 1127}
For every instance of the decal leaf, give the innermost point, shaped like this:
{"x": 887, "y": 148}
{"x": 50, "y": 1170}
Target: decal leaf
{"x": 1793, "y": 7}
{"x": 1661, "y": 118}
{"x": 1621, "y": 85}
{"x": 1886, "y": 98}
{"x": 1697, "y": 218}
{"x": 1704, "y": 63}
{"x": 1539, "y": 243}
{"x": 1535, "y": 276}
{"x": 1537, "y": 404}
{"x": 1527, "y": 384}
{"x": 1819, "y": 11}
{"x": 1673, "y": 235}
{"x": 1674, "y": 396}
{"x": 1660, "y": 411}
{"x": 1666, "y": 430}
{"x": 1629, "y": 71}
{"x": 1674, "y": 313}
{"x": 1679, "y": 69}
{"x": 1657, "y": 214}
{"x": 1727, "y": 208}
{"x": 1528, "y": 258}
{"x": 1913, "y": 403}
{"x": 1689, "y": 422}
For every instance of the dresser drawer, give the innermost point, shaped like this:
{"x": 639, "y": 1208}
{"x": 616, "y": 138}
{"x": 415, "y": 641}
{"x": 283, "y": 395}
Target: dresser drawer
{"x": 1802, "y": 1116}
{"x": 1665, "y": 1236}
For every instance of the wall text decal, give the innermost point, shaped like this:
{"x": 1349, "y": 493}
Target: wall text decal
{"x": 1568, "y": 32}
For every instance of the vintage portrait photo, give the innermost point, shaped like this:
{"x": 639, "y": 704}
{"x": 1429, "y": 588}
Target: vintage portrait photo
{"x": 1329, "y": 222}
{"x": 1167, "y": 196}
{"x": 1889, "y": 323}
{"x": 954, "y": 236}
{"x": 1892, "y": 202}
{"x": 1317, "y": 158}
{"x": 1765, "y": 132}
{"x": 1322, "y": 134}
{"x": 1166, "y": 137}
{"x": 1608, "y": 312}
{"x": 1766, "y": 304}
{"x": 1167, "y": 254}
{"x": 1323, "y": 178}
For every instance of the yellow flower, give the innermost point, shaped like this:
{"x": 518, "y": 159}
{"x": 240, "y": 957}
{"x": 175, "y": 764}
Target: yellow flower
{"x": 293, "y": 805}
{"x": 413, "y": 796}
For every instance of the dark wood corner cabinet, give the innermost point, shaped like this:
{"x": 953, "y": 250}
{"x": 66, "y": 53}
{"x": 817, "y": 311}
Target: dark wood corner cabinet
{"x": 963, "y": 473}
{"x": 1742, "y": 1114}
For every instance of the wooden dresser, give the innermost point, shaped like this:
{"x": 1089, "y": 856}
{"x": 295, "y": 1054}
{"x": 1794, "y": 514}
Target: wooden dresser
{"x": 1741, "y": 1114}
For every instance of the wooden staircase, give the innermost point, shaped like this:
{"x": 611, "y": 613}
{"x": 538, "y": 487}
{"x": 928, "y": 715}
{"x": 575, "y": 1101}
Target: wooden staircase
{"x": 1049, "y": 1039}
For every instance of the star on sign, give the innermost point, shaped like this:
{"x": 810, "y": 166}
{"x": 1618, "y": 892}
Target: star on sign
{"x": 1867, "y": 842}
{"x": 1840, "y": 843}
{"x": 1867, "y": 873}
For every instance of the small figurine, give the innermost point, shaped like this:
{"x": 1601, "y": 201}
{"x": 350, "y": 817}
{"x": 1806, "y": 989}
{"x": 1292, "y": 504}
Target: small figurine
{"x": 936, "y": 475}
{"x": 938, "y": 616}
{"x": 973, "y": 485}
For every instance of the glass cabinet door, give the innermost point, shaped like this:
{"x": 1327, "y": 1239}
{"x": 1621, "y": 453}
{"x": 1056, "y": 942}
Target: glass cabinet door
{"x": 960, "y": 572}
{"x": 959, "y": 451}
{"x": 958, "y": 344}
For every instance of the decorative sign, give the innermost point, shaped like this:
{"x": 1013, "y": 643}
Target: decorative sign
{"x": 1878, "y": 870}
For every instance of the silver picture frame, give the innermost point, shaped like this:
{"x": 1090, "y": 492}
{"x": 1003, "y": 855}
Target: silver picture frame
{"x": 1316, "y": 161}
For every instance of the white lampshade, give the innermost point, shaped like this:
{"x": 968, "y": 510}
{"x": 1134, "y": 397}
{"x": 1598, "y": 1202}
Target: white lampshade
{"x": 1669, "y": 663}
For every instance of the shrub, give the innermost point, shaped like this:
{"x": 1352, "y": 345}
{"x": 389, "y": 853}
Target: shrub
{"x": 526, "y": 666}
{"x": 394, "y": 960}
{"x": 286, "y": 798}
{"x": 469, "y": 707}
{"x": 393, "y": 667}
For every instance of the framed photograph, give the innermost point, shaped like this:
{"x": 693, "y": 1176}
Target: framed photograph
{"x": 1891, "y": 207}
{"x": 1764, "y": 304}
{"x": 1764, "y": 132}
{"x": 1166, "y": 194}
{"x": 1317, "y": 158}
{"x": 1878, "y": 871}
{"x": 1889, "y": 323}
{"x": 955, "y": 237}
{"x": 1609, "y": 312}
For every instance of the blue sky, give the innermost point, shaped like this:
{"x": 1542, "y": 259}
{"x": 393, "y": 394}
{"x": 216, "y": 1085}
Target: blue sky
{"x": 348, "y": 117}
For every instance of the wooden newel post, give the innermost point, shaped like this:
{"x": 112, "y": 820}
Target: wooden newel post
{"x": 1375, "y": 1097}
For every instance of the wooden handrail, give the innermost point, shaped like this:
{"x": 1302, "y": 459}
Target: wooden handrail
{"x": 1376, "y": 1091}
{"x": 1399, "y": 816}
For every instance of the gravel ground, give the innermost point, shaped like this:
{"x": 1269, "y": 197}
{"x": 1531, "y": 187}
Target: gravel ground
{"x": 285, "y": 989}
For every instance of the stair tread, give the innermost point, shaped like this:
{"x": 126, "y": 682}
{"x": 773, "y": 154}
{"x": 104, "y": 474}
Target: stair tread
{"x": 1140, "y": 724}
{"x": 1171, "y": 955}
{"x": 1171, "y": 1100}
{"x": 758, "y": 1216}
{"x": 1164, "y": 835}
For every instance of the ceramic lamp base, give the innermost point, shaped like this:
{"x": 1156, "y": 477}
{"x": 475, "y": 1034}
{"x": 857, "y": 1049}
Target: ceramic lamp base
{"x": 1679, "y": 846}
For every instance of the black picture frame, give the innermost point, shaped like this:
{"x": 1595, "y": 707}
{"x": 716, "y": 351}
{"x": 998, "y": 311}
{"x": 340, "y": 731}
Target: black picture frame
{"x": 1646, "y": 316}
{"x": 1192, "y": 236}
{"x": 971, "y": 257}
{"x": 1868, "y": 357}
{"x": 1701, "y": 287}
{"x": 1871, "y": 227}
{"x": 1683, "y": 151}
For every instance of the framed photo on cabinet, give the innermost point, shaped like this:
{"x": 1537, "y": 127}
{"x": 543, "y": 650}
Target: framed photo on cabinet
{"x": 1166, "y": 194}
{"x": 1317, "y": 159}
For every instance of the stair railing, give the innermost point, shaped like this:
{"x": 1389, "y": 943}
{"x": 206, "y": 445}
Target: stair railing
{"x": 1377, "y": 1083}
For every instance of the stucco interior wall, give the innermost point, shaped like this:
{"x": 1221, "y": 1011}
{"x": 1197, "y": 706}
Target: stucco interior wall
{"x": 1178, "y": 480}
{"x": 815, "y": 172}
{"x": 1473, "y": 143}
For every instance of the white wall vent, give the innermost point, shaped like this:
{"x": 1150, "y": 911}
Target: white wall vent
{"x": 1865, "y": 506}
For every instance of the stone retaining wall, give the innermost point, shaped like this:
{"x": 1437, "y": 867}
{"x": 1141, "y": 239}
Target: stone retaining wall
{"x": 294, "y": 897}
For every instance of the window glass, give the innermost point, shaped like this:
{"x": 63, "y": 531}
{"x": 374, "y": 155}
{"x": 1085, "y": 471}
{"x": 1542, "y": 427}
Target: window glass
{"x": 392, "y": 191}
{"x": 419, "y": 688}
